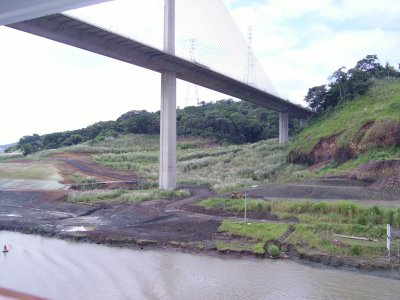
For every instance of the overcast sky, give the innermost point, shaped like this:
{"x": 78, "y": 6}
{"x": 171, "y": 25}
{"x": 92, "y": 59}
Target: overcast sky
{"x": 47, "y": 86}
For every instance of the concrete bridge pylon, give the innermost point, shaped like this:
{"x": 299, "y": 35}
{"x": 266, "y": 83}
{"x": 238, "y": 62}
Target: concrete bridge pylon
{"x": 167, "y": 169}
{"x": 283, "y": 127}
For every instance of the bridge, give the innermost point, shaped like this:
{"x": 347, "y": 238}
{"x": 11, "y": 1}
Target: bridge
{"x": 76, "y": 32}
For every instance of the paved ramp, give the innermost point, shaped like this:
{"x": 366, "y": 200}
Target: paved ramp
{"x": 30, "y": 175}
{"x": 30, "y": 184}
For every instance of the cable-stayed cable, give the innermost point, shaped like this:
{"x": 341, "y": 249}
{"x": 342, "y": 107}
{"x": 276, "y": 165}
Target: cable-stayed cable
{"x": 220, "y": 45}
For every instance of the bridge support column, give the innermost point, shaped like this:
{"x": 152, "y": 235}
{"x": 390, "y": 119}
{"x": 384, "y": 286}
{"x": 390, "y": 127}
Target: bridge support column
{"x": 283, "y": 127}
{"x": 167, "y": 176}
{"x": 302, "y": 122}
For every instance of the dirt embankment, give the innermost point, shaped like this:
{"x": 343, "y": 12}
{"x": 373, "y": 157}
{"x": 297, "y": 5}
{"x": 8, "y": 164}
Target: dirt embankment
{"x": 380, "y": 134}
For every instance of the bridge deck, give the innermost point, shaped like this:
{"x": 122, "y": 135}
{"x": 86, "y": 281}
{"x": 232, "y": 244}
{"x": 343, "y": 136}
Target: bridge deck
{"x": 67, "y": 30}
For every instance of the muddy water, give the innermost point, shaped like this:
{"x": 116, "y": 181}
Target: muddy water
{"x": 66, "y": 270}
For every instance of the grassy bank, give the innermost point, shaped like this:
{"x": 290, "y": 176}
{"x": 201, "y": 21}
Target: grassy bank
{"x": 382, "y": 102}
{"x": 341, "y": 212}
{"x": 256, "y": 234}
{"x": 320, "y": 228}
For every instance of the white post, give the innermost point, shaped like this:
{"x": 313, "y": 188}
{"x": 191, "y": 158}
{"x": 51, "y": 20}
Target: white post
{"x": 388, "y": 239}
{"x": 245, "y": 208}
{"x": 167, "y": 177}
{"x": 283, "y": 127}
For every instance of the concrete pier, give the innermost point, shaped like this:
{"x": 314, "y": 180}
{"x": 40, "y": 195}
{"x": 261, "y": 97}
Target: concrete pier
{"x": 283, "y": 127}
{"x": 167, "y": 178}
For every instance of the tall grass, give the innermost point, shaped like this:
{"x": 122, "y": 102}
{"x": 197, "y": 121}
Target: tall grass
{"x": 244, "y": 166}
{"x": 95, "y": 196}
{"x": 10, "y": 156}
{"x": 200, "y": 162}
{"x": 340, "y": 212}
{"x": 236, "y": 205}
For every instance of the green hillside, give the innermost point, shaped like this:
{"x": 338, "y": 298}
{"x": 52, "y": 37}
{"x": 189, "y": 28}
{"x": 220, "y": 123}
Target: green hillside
{"x": 357, "y": 131}
{"x": 226, "y": 121}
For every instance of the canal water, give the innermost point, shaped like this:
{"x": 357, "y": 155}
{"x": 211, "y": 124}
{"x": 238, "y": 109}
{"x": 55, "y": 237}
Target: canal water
{"x": 58, "y": 269}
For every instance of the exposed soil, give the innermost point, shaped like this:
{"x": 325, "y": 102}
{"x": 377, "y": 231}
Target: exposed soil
{"x": 106, "y": 178}
{"x": 380, "y": 134}
{"x": 165, "y": 223}
{"x": 325, "y": 150}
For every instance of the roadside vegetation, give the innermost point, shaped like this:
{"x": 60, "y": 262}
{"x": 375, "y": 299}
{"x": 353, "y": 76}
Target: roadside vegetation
{"x": 125, "y": 196}
{"x": 319, "y": 228}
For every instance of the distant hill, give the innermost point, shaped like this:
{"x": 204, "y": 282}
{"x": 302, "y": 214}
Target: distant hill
{"x": 4, "y": 147}
{"x": 225, "y": 121}
{"x": 364, "y": 129}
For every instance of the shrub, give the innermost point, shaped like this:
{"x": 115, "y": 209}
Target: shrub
{"x": 362, "y": 220}
{"x": 346, "y": 208}
{"x": 274, "y": 251}
{"x": 375, "y": 215}
{"x": 355, "y": 250}
{"x": 389, "y": 217}
{"x": 397, "y": 219}
{"x": 259, "y": 206}
{"x": 321, "y": 208}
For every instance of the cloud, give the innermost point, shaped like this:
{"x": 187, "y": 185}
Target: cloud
{"x": 300, "y": 43}
{"x": 367, "y": 13}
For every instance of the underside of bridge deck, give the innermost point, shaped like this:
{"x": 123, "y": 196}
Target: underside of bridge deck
{"x": 76, "y": 33}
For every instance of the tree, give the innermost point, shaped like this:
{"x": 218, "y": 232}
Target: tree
{"x": 347, "y": 85}
{"x": 370, "y": 66}
{"x": 390, "y": 71}
{"x": 30, "y": 144}
{"x": 316, "y": 97}
{"x": 339, "y": 82}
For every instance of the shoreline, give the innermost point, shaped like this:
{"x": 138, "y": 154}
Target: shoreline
{"x": 158, "y": 224}
{"x": 321, "y": 260}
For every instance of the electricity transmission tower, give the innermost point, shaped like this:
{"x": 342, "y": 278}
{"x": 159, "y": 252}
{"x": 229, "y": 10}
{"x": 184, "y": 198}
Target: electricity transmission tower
{"x": 250, "y": 69}
{"x": 192, "y": 87}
